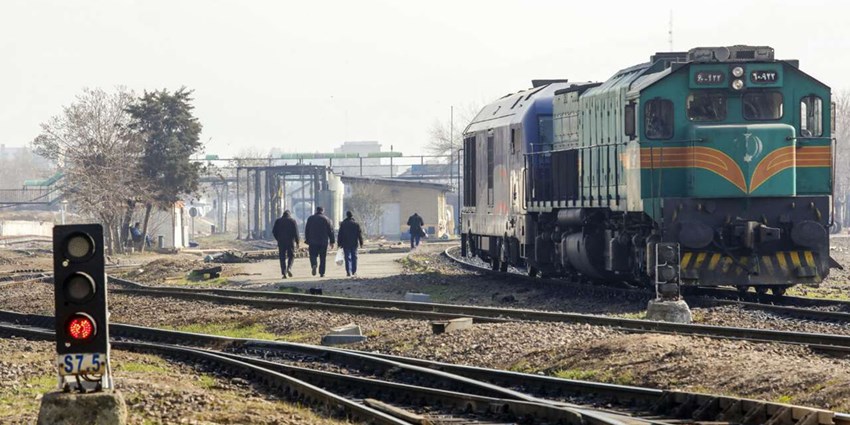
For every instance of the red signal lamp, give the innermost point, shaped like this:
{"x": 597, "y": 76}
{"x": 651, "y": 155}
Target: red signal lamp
{"x": 81, "y": 327}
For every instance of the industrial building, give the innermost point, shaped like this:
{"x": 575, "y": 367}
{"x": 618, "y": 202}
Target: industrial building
{"x": 400, "y": 199}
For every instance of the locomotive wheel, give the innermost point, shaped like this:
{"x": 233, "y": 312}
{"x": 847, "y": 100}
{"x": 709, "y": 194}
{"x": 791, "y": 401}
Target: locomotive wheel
{"x": 778, "y": 290}
{"x": 495, "y": 264}
{"x": 532, "y": 271}
{"x": 503, "y": 256}
{"x": 761, "y": 289}
{"x": 742, "y": 290}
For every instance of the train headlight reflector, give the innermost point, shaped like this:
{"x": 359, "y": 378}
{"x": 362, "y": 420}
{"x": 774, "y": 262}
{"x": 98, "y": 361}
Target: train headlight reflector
{"x": 737, "y": 84}
{"x": 738, "y": 71}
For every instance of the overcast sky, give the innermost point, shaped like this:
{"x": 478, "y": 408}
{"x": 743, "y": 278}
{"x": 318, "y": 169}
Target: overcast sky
{"x": 303, "y": 76}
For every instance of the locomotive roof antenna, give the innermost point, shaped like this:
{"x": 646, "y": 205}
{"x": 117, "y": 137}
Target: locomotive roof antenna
{"x": 670, "y": 31}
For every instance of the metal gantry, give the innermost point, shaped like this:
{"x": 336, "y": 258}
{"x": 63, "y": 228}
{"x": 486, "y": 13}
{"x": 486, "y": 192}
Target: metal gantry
{"x": 267, "y": 190}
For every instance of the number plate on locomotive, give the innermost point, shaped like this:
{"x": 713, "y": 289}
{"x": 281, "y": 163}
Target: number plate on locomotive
{"x": 709, "y": 77}
{"x": 764, "y": 76}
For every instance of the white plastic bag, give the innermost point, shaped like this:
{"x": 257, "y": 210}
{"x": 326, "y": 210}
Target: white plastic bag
{"x": 340, "y": 257}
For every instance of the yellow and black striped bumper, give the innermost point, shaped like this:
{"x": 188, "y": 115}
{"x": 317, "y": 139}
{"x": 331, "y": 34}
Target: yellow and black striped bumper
{"x": 778, "y": 268}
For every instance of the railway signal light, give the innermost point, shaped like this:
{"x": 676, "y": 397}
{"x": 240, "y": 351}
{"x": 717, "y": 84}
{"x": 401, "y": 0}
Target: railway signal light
{"x": 82, "y": 329}
{"x": 667, "y": 270}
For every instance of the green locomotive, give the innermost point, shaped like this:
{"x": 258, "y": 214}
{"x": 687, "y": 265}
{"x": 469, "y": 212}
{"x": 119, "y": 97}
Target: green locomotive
{"x": 711, "y": 167}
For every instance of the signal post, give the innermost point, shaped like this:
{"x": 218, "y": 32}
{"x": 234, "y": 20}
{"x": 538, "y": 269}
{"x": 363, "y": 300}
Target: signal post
{"x": 668, "y": 306}
{"x": 85, "y": 388}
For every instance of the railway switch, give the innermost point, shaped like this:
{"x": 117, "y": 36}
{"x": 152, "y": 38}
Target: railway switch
{"x": 82, "y": 329}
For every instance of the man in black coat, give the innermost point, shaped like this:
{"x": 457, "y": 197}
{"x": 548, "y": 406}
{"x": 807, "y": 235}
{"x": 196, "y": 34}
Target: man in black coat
{"x": 350, "y": 237}
{"x": 317, "y": 233}
{"x": 416, "y": 229}
{"x": 285, "y": 231}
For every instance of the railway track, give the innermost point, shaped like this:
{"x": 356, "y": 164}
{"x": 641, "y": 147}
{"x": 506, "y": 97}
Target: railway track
{"x": 806, "y": 308}
{"x": 16, "y": 242}
{"x": 391, "y": 390}
{"x": 432, "y": 311}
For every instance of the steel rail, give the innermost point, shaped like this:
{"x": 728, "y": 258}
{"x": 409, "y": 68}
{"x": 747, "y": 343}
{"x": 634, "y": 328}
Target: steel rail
{"x": 669, "y": 403}
{"x": 306, "y": 385}
{"x": 408, "y": 309}
{"x": 292, "y": 388}
{"x": 786, "y": 305}
{"x": 357, "y": 360}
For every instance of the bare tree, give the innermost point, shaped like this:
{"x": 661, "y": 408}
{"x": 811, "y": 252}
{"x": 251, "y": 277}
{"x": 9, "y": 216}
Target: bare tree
{"x": 365, "y": 203}
{"x": 447, "y": 134}
{"x": 90, "y": 142}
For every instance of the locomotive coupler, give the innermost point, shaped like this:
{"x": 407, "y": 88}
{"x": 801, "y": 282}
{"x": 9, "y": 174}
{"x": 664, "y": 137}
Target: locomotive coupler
{"x": 752, "y": 233}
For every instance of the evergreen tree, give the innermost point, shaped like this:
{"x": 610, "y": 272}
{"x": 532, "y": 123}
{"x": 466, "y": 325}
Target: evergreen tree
{"x": 170, "y": 135}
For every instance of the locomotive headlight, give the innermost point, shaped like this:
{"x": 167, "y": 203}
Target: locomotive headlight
{"x": 737, "y": 84}
{"x": 737, "y": 71}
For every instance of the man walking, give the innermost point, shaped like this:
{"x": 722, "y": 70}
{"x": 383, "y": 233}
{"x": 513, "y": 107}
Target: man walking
{"x": 416, "y": 229}
{"x": 350, "y": 237}
{"x": 285, "y": 231}
{"x": 317, "y": 233}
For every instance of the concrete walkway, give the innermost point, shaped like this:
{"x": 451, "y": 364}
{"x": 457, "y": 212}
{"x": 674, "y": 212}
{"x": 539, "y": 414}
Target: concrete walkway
{"x": 369, "y": 266}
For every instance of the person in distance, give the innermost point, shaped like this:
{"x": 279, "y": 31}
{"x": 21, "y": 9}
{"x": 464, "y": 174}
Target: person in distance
{"x": 417, "y": 230}
{"x": 285, "y": 231}
{"x": 349, "y": 238}
{"x": 318, "y": 234}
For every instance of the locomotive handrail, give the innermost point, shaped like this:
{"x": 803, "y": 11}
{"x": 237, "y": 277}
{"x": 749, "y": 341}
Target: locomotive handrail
{"x": 810, "y": 138}
{"x": 661, "y": 175}
{"x": 578, "y": 148}
{"x": 666, "y": 142}
{"x": 833, "y": 145}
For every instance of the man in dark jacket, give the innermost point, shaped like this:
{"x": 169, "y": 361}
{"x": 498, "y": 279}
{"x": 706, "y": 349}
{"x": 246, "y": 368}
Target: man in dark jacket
{"x": 317, "y": 233}
{"x": 285, "y": 231}
{"x": 416, "y": 229}
{"x": 350, "y": 237}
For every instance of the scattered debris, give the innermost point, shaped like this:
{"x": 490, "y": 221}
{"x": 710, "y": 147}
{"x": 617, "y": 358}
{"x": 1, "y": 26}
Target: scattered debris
{"x": 226, "y": 257}
{"x": 443, "y": 326}
{"x": 206, "y": 274}
{"x": 348, "y": 334}
{"x": 234, "y": 256}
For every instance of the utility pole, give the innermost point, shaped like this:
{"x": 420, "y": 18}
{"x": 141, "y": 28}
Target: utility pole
{"x": 452, "y": 148}
{"x": 670, "y": 31}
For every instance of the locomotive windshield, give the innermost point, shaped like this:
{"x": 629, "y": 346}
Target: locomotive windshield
{"x": 762, "y": 105}
{"x": 706, "y": 106}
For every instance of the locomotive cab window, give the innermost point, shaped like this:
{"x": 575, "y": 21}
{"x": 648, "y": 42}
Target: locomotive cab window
{"x": 706, "y": 106}
{"x": 658, "y": 119}
{"x": 762, "y": 105}
{"x": 811, "y": 113}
